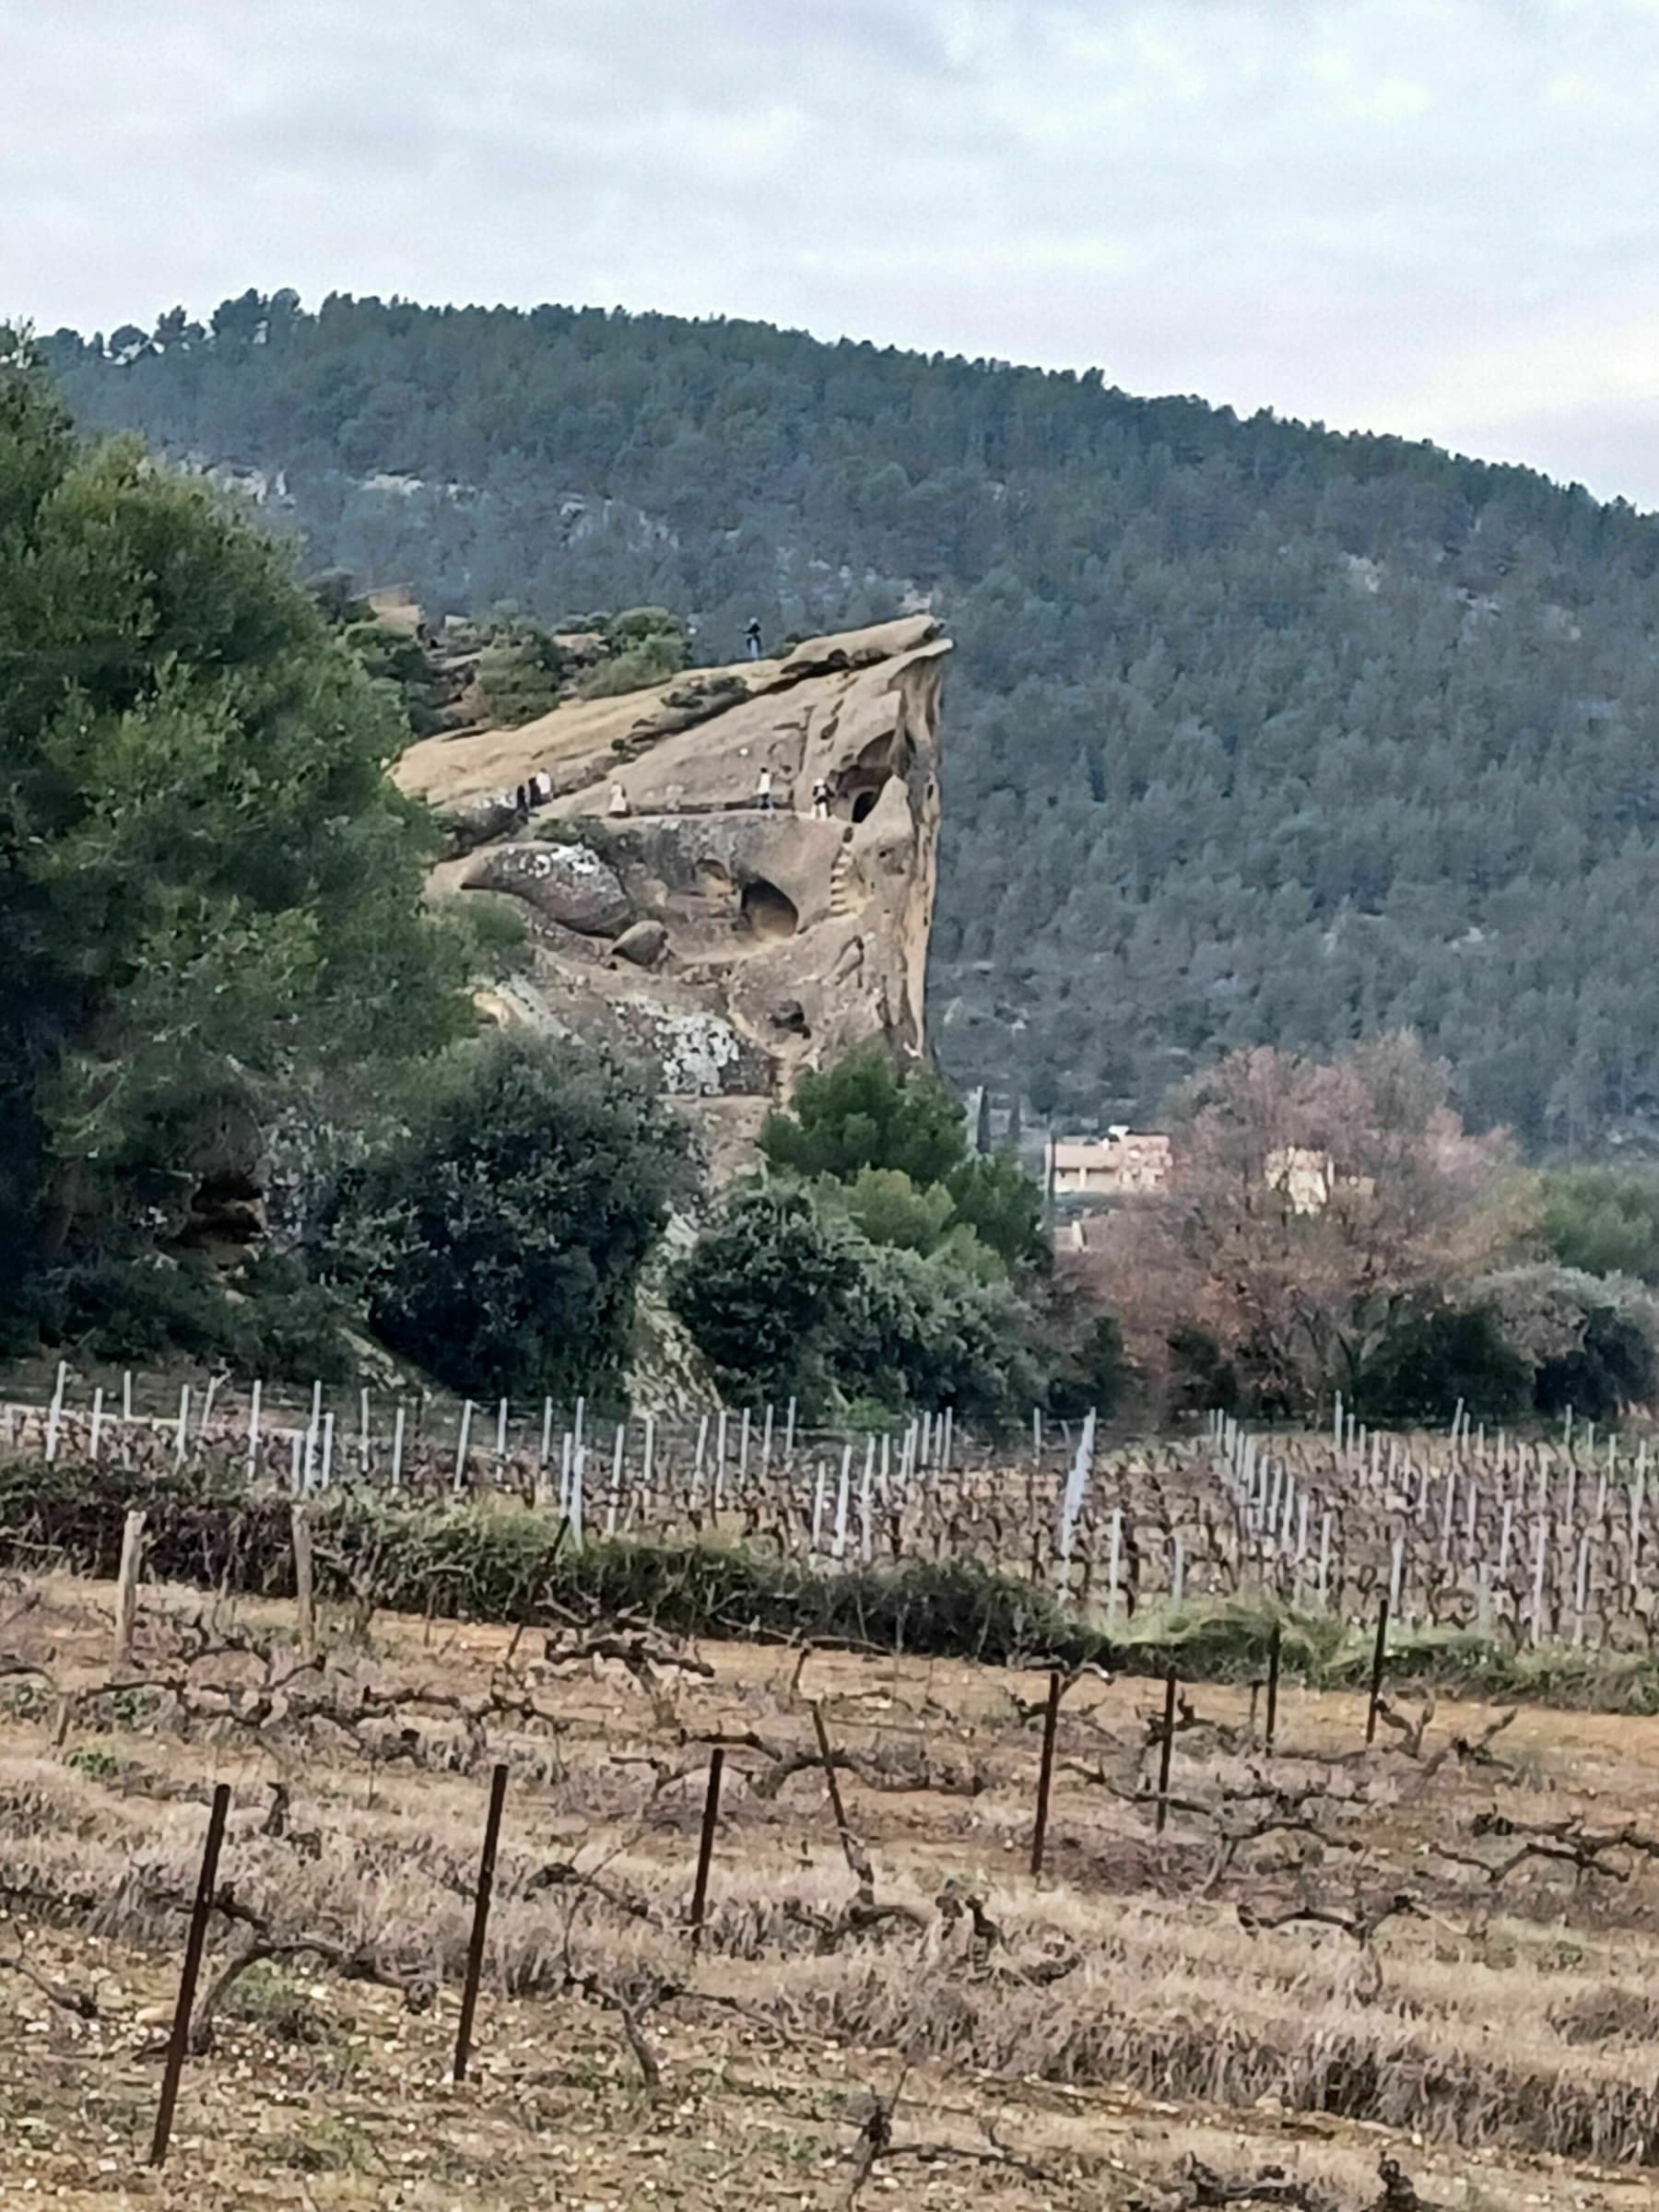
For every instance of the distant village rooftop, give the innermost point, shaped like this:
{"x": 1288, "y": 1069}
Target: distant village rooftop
{"x": 1122, "y": 1162}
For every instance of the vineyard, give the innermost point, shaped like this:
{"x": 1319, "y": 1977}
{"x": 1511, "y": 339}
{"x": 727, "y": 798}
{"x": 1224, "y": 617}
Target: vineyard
{"x": 1525, "y": 1543}
{"x": 534, "y": 1886}
{"x": 1316, "y": 1974}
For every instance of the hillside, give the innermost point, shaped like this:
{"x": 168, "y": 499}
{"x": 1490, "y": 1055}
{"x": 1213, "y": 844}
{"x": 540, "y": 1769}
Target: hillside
{"x": 1255, "y": 732}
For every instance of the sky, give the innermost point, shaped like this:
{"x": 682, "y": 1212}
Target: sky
{"x": 1438, "y": 218}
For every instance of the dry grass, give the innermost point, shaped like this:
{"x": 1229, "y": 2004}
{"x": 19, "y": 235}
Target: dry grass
{"x": 1110, "y": 2019}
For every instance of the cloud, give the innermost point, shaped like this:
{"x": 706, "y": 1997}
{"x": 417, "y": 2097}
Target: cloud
{"x": 1427, "y": 215}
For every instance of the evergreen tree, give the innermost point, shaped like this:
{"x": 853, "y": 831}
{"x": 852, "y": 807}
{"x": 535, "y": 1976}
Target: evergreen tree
{"x": 210, "y": 892}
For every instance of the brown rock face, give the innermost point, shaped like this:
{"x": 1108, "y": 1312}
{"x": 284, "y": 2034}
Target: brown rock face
{"x": 781, "y": 846}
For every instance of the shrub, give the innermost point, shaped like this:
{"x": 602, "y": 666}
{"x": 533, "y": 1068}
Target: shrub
{"x": 501, "y": 1562}
{"x": 1095, "y": 1376}
{"x": 653, "y": 661}
{"x": 1202, "y": 1376}
{"x": 763, "y": 1294}
{"x": 1590, "y": 1339}
{"x": 918, "y": 1331}
{"x": 784, "y": 1299}
{"x": 868, "y": 1113}
{"x": 637, "y": 626}
{"x": 1433, "y": 1362}
{"x": 498, "y": 1237}
{"x": 269, "y": 1319}
{"x": 1612, "y": 1367}
{"x": 520, "y": 673}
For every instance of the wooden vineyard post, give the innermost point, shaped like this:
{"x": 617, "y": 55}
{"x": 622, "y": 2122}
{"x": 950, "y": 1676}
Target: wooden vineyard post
{"x": 178, "y": 2042}
{"x": 618, "y": 1455}
{"x": 1378, "y": 1655}
{"x": 1275, "y": 1642}
{"x": 1045, "y": 1774}
{"x": 1165, "y": 1751}
{"x": 705, "y": 1844}
{"x": 480, "y": 1925}
{"x": 305, "y": 1606}
{"x": 849, "y": 1849}
{"x": 126, "y": 1587}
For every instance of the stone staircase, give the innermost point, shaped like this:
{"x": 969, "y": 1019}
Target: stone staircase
{"x": 841, "y": 899}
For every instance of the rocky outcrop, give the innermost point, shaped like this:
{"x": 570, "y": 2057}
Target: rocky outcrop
{"x": 567, "y": 883}
{"x": 769, "y": 886}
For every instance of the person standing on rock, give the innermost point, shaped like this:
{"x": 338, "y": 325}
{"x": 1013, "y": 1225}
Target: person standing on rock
{"x": 618, "y": 801}
{"x": 820, "y": 801}
{"x": 751, "y": 637}
{"x": 763, "y": 791}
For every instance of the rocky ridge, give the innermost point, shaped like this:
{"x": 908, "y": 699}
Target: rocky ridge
{"x": 734, "y": 875}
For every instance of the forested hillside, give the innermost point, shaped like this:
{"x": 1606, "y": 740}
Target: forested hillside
{"x": 1256, "y": 733}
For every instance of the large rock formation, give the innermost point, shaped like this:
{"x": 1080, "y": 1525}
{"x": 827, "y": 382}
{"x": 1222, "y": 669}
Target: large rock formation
{"x": 732, "y": 943}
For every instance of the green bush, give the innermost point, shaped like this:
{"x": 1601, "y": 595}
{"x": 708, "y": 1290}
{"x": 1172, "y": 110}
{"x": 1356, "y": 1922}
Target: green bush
{"x": 1593, "y": 1341}
{"x": 866, "y": 1111}
{"x": 918, "y": 1331}
{"x": 268, "y": 1319}
{"x": 786, "y": 1298}
{"x": 637, "y": 626}
{"x": 653, "y": 661}
{"x": 521, "y": 673}
{"x": 496, "y": 1239}
{"x": 405, "y": 663}
{"x": 1613, "y": 1367}
{"x": 1433, "y": 1363}
{"x": 763, "y": 1293}
{"x": 496, "y": 1561}
{"x": 1096, "y": 1376}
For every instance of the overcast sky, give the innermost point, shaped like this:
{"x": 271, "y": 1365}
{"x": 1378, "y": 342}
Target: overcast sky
{"x": 1436, "y": 216}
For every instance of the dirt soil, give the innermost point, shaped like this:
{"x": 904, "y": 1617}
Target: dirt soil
{"x": 1077, "y": 2040}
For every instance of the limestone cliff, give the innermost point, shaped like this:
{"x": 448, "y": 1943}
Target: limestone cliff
{"x": 732, "y": 942}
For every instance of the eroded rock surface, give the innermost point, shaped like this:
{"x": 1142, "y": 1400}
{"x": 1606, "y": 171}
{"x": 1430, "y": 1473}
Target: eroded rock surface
{"x": 567, "y": 883}
{"x": 753, "y": 939}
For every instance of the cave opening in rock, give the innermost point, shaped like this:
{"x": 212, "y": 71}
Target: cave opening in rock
{"x": 768, "y": 912}
{"x": 861, "y": 785}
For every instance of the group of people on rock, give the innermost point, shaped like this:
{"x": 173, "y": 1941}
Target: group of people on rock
{"x": 534, "y": 792}
{"x": 763, "y": 799}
